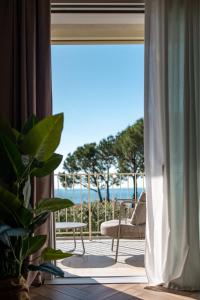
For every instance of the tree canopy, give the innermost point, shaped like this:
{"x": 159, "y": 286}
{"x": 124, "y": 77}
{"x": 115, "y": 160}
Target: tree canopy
{"x": 129, "y": 145}
{"x": 123, "y": 153}
{"x": 95, "y": 160}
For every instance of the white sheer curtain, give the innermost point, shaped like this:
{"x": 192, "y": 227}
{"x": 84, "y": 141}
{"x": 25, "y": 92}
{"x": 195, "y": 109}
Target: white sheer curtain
{"x": 172, "y": 142}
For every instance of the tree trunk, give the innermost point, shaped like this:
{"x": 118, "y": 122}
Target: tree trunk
{"x": 107, "y": 186}
{"x": 107, "y": 191}
{"x": 98, "y": 189}
{"x": 134, "y": 180}
{"x": 134, "y": 190}
{"x": 99, "y": 194}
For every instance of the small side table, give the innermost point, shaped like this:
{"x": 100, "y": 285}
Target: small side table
{"x": 73, "y": 226}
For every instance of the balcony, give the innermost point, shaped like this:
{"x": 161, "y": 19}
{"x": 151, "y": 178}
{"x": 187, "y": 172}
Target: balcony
{"x": 93, "y": 207}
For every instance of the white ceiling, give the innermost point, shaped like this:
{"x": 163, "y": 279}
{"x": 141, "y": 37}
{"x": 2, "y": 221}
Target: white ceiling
{"x": 95, "y": 18}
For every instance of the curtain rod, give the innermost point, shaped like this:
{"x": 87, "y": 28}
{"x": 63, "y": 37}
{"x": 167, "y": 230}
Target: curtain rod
{"x": 97, "y": 8}
{"x": 135, "y": 2}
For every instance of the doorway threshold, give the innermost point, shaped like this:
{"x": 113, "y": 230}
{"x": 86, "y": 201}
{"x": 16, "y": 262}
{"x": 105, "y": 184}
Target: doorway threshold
{"x": 98, "y": 280}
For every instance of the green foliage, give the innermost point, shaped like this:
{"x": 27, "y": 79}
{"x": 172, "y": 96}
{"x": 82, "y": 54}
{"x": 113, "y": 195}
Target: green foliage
{"x": 50, "y": 254}
{"x": 31, "y": 244}
{"x": 6, "y": 232}
{"x": 124, "y": 153}
{"x": 39, "y": 220}
{"x": 42, "y": 139}
{"x": 13, "y": 155}
{"x": 130, "y": 150}
{"x": 47, "y": 267}
{"x": 96, "y": 160}
{"x": 24, "y": 155}
{"x": 31, "y": 122}
{"x": 51, "y": 205}
{"x": 101, "y": 211}
{"x": 48, "y": 166}
{"x": 9, "y": 208}
{"x": 84, "y": 158}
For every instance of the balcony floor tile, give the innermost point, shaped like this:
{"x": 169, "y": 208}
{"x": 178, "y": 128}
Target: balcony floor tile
{"x": 99, "y": 260}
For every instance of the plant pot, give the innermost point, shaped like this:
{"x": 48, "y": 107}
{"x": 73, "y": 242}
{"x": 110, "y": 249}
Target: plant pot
{"x": 14, "y": 289}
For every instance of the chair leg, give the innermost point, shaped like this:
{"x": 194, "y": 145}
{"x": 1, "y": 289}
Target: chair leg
{"x": 118, "y": 235}
{"x": 112, "y": 244}
{"x": 74, "y": 239}
{"x": 117, "y": 250}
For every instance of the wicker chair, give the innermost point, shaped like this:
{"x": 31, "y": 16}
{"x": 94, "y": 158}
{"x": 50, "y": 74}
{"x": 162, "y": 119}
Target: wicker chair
{"x": 133, "y": 228}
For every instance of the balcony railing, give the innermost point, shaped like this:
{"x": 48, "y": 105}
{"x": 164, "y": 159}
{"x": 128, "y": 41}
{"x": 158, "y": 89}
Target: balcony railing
{"x": 96, "y": 197}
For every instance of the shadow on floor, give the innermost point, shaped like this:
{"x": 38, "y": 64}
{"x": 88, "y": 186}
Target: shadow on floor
{"x": 135, "y": 261}
{"x": 81, "y": 292}
{"x": 88, "y": 261}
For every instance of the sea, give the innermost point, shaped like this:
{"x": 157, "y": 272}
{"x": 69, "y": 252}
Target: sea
{"x": 81, "y": 195}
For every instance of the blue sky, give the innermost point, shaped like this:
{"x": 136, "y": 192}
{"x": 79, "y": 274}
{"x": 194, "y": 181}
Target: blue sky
{"x": 100, "y": 89}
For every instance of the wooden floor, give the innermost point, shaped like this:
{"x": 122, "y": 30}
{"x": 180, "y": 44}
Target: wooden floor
{"x": 108, "y": 292}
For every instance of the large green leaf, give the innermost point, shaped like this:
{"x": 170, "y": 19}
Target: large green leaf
{"x": 33, "y": 244}
{"x": 9, "y": 207}
{"x": 7, "y": 215}
{"x": 6, "y": 130}
{"x": 16, "y": 232}
{"x": 31, "y": 122}
{"x": 13, "y": 154}
{"x": 42, "y": 140}
{"x": 17, "y": 134}
{"x": 52, "y": 205}
{"x": 48, "y": 166}
{"x": 53, "y": 254}
{"x": 47, "y": 267}
{"x": 27, "y": 192}
{"x": 7, "y": 231}
{"x": 39, "y": 220}
{"x": 6, "y": 170}
{"x": 4, "y": 239}
{"x": 12, "y": 211}
{"x": 25, "y": 216}
{"x": 3, "y": 228}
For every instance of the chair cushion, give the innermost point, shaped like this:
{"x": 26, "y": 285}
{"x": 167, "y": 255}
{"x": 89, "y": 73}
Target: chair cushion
{"x": 139, "y": 213}
{"x": 127, "y": 230}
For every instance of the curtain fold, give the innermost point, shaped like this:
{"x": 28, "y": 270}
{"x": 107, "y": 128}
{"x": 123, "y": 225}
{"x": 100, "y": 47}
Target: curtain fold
{"x": 25, "y": 59}
{"x": 25, "y": 69}
{"x": 172, "y": 142}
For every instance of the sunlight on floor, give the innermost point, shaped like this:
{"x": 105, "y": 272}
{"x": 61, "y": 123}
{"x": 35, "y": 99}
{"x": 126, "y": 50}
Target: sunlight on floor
{"x": 99, "y": 260}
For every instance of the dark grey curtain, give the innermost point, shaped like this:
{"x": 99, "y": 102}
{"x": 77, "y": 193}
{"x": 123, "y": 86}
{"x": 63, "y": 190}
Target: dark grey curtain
{"x": 25, "y": 68}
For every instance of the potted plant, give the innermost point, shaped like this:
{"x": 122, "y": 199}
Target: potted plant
{"x": 24, "y": 155}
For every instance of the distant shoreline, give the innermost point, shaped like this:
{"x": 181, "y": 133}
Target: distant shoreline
{"x": 78, "y": 195}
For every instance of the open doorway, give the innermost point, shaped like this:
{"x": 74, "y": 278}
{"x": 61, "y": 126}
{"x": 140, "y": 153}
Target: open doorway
{"x": 100, "y": 90}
